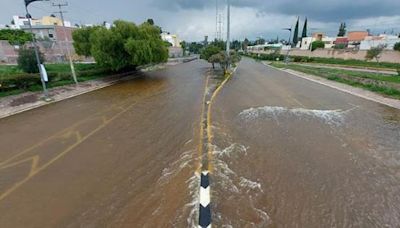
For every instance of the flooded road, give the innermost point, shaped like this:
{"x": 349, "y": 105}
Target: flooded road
{"x": 283, "y": 152}
{"x": 293, "y": 153}
{"x": 123, "y": 156}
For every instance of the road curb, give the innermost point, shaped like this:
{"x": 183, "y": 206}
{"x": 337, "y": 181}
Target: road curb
{"x": 362, "y": 93}
{"x": 42, "y": 103}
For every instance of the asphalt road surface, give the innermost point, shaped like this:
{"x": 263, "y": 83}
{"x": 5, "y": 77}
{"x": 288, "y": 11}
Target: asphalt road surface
{"x": 287, "y": 152}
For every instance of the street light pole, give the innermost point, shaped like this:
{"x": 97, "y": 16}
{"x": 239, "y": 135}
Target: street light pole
{"x": 290, "y": 46}
{"x": 66, "y": 42}
{"x": 228, "y": 44}
{"x": 46, "y": 96}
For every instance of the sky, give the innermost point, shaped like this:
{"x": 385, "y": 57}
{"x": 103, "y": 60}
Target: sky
{"x": 193, "y": 19}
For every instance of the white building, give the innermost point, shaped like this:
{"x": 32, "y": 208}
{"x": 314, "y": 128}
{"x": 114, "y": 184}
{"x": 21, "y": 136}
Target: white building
{"x": 264, "y": 47}
{"x": 172, "y": 39}
{"x": 307, "y": 41}
{"x": 374, "y": 41}
{"x": 46, "y": 20}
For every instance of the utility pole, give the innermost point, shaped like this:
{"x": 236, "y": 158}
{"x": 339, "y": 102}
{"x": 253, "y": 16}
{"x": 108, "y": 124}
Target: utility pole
{"x": 228, "y": 31}
{"x": 42, "y": 77}
{"x": 61, "y": 12}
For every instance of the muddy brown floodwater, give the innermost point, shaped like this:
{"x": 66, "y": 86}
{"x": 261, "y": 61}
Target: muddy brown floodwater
{"x": 123, "y": 156}
{"x": 286, "y": 152}
{"x": 293, "y": 153}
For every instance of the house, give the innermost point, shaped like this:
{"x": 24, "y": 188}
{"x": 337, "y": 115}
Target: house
{"x": 172, "y": 39}
{"x": 19, "y": 22}
{"x": 374, "y": 41}
{"x": 50, "y": 32}
{"x": 355, "y": 38}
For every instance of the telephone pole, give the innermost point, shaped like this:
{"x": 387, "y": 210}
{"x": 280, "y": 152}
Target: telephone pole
{"x": 228, "y": 30}
{"x": 61, "y": 12}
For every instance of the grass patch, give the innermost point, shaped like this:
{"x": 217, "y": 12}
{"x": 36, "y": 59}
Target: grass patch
{"x": 13, "y": 81}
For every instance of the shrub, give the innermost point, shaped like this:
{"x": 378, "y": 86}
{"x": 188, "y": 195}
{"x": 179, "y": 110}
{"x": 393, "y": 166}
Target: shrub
{"x": 375, "y": 53}
{"x": 27, "y": 60}
{"x": 340, "y": 46}
{"x": 397, "y": 46}
{"x": 317, "y": 44}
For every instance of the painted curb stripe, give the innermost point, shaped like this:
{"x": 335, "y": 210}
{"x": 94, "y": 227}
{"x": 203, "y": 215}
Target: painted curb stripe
{"x": 205, "y": 208}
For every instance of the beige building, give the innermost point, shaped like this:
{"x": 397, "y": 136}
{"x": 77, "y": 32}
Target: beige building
{"x": 171, "y": 38}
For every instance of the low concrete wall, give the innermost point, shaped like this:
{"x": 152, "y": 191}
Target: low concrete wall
{"x": 387, "y": 55}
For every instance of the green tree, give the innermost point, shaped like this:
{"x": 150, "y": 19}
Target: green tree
{"x": 125, "y": 45}
{"x": 245, "y": 44}
{"x": 82, "y": 41}
{"x": 296, "y": 33}
{"x": 27, "y": 60}
{"x": 304, "y": 34}
{"x": 15, "y": 37}
{"x": 397, "y": 46}
{"x": 195, "y": 47}
{"x": 150, "y": 21}
{"x": 223, "y": 60}
{"x": 317, "y": 44}
{"x": 342, "y": 30}
{"x": 375, "y": 53}
{"x": 209, "y": 51}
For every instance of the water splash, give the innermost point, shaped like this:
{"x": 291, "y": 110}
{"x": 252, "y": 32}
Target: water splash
{"x": 330, "y": 117}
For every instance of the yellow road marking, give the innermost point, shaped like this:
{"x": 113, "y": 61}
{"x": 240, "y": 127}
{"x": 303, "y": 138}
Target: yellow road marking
{"x": 35, "y": 159}
{"x": 201, "y": 137}
{"x": 63, "y": 133}
{"x": 209, "y": 127}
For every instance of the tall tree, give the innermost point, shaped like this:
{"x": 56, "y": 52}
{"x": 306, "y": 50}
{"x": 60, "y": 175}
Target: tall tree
{"x": 296, "y": 33}
{"x": 245, "y": 44}
{"x": 304, "y": 29}
{"x": 342, "y": 30}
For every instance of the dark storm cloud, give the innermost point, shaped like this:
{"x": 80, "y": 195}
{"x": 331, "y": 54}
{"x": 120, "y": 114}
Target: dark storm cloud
{"x": 324, "y": 11}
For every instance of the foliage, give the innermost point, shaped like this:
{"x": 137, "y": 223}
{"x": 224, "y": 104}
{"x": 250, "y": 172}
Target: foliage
{"x": 375, "y": 53}
{"x": 317, "y": 44}
{"x": 296, "y": 33}
{"x": 332, "y": 61}
{"x": 342, "y": 30}
{"x": 195, "y": 47}
{"x": 304, "y": 34}
{"x": 14, "y": 81}
{"x": 340, "y": 46}
{"x": 397, "y": 46}
{"x": 82, "y": 42}
{"x": 125, "y": 45}
{"x": 15, "y": 37}
{"x": 222, "y": 59}
{"x": 245, "y": 44}
{"x": 209, "y": 51}
{"x": 27, "y": 60}
{"x": 236, "y": 45}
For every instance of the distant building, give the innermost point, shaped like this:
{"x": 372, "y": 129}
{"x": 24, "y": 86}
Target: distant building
{"x": 19, "y": 22}
{"x": 318, "y": 36}
{"x": 50, "y": 32}
{"x": 355, "y": 38}
{"x": 374, "y": 41}
{"x": 172, "y": 39}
